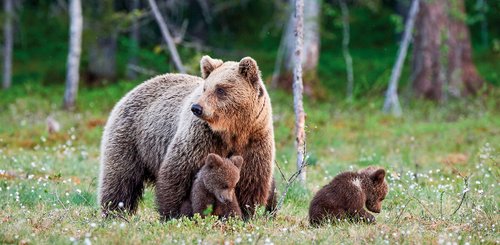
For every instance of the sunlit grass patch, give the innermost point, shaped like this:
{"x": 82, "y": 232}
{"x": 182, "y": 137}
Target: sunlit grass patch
{"x": 48, "y": 182}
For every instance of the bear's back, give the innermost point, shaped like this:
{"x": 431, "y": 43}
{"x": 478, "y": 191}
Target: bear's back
{"x": 149, "y": 115}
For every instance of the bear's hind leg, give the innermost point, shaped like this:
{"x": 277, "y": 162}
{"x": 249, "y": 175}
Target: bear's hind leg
{"x": 120, "y": 193}
{"x": 121, "y": 182}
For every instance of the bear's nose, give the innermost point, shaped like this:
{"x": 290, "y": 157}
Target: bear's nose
{"x": 197, "y": 110}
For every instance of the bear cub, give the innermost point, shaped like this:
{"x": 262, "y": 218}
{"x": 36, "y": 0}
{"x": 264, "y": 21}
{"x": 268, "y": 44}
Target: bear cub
{"x": 346, "y": 196}
{"x": 214, "y": 186}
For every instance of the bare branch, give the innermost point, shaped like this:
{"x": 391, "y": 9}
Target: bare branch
{"x": 166, "y": 35}
{"x": 391, "y": 103}
{"x": 289, "y": 183}
{"x": 464, "y": 195}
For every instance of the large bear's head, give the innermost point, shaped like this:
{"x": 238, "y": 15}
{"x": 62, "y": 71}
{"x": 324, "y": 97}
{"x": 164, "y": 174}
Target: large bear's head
{"x": 233, "y": 93}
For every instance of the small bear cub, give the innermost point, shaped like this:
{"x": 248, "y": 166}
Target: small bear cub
{"x": 214, "y": 186}
{"x": 346, "y": 196}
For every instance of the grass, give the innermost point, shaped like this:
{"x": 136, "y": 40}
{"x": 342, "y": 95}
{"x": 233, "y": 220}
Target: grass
{"x": 48, "y": 181}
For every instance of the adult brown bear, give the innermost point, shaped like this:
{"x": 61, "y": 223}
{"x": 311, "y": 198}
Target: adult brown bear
{"x": 162, "y": 130}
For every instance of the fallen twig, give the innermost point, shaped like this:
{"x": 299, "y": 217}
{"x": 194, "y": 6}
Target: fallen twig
{"x": 289, "y": 183}
{"x": 464, "y": 195}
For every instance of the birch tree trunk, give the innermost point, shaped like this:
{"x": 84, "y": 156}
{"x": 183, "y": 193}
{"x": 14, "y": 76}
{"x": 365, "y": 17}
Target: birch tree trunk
{"x": 391, "y": 103}
{"x": 166, "y": 35}
{"x": 345, "y": 48}
{"x": 442, "y": 57}
{"x": 8, "y": 43}
{"x": 298, "y": 90}
{"x": 75, "y": 48}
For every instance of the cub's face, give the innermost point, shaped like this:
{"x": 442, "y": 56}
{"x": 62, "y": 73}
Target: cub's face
{"x": 222, "y": 175}
{"x": 378, "y": 190}
{"x": 231, "y": 93}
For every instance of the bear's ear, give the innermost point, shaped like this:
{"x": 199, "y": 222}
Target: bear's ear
{"x": 378, "y": 176}
{"x": 237, "y": 161}
{"x": 208, "y": 65}
{"x": 249, "y": 70}
{"x": 213, "y": 160}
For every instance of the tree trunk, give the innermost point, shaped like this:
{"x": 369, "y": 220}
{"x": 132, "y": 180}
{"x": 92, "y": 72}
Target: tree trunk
{"x": 8, "y": 43}
{"x": 311, "y": 36}
{"x": 102, "y": 63}
{"x": 135, "y": 39}
{"x": 391, "y": 103}
{"x": 168, "y": 38}
{"x": 442, "y": 61}
{"x": 310, "y": 54}
{"x": 102, "y": 50}
{"x": 298, "y": 89}
{"x": 345, "y": 48}
{"x": 75, "y": 48}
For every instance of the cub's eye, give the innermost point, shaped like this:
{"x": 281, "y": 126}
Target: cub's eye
{"x": 225, "y": 186}
{"x": 220, "y": 91}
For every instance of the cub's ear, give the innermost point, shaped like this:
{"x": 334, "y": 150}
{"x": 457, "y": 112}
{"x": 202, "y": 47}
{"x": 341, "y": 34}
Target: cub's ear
{"x": 213, "y": 160}
{"x": 378, "y": 176}
{"x": 238, "y": 161}
{"x": 249, "y": 70}
{"x": 208, "y": 65}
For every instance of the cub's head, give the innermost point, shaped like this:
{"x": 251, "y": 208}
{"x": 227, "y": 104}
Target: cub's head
{"x": 233, "y": 93}
{"x": 221, "y": 175}
{"x": 377, "y": 188}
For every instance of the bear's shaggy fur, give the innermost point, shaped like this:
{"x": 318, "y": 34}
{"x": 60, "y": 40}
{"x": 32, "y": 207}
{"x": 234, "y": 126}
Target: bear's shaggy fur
{"x": 347, "y": 194}
{"x": 153, "y": 135}
{"x": 215, "y": 186}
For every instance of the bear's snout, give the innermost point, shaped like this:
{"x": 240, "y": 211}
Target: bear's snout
{"x": 197, "y": 110}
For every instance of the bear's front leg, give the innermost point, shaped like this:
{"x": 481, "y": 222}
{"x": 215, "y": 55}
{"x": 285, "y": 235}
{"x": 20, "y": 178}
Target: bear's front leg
{"x": 366, "y": 216}
{"x": 255, "y": 178}
{"x": 173, "y": 184}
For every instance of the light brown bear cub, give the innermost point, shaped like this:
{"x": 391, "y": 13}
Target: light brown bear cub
{"x": 215, "y": 186}
{"x": 347, "y": 194}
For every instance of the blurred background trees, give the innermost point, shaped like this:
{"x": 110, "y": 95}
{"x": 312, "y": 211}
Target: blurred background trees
{"x": 454, "y": 53}
{"x": 8, "y": 6}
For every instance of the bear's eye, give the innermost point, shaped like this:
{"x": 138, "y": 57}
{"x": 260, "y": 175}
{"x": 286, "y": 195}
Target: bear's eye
{"x": 225, "y": 186}
{"x": 220, "y": 91}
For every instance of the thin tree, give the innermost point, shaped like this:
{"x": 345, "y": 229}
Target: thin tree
{"x": 345, "y": 48}
{"x": 391, "y": 103}
{"x": 166, "y": 35}
{"x": 75, "y": 49}
{"x": 8, "y": 43}
{"x": 298, "y": 90}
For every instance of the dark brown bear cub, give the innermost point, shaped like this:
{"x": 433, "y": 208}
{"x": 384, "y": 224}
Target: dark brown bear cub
{"x": 215, "y": 186}
{"x": 347, "y": 194}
